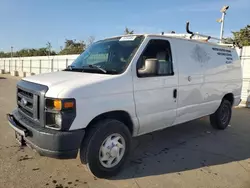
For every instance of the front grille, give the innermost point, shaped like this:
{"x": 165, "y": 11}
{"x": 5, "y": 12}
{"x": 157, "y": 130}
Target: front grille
{"x": 25, "y": 93}
{"x": 30, "y": 101}
{"x": 26, "y": 103}
{"x": 28, "y": 113}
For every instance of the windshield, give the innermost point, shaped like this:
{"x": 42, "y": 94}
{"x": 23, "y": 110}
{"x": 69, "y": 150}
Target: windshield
{"x": 110, "y": 56}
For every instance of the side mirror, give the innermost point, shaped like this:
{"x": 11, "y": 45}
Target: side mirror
{"x": 150, "y": 68}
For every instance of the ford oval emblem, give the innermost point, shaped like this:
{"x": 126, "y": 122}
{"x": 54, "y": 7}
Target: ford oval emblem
{"x": 24, "y": 101}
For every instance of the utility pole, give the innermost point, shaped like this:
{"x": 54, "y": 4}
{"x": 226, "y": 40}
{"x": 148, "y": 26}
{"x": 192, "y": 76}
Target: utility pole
{"x": 11, "y": 55}
{"x": 48, "y": 47}
{"x": 222, "y": 21}
{"x": 11, "y": 52}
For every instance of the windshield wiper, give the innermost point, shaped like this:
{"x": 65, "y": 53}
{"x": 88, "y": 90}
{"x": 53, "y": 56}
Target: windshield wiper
{"x": 93, "y": 67}
{"x": 97, "y": 67}
{"x": 70, "y": 67}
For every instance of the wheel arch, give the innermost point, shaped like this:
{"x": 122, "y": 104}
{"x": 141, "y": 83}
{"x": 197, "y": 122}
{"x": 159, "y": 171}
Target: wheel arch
{"x": 119, "y": 115}
{"x": 230, "y": 98}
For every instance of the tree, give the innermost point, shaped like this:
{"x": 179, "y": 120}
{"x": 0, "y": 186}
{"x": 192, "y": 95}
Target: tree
{"x": 22, "y": 53}
{"x": 243, "y": 36}
{"x": 4, "y": 55}
{"x": 128, "y": 32}
{"x": 228, "y": 40}
{"x": 73, "y": 47}
{"x": 90, "y": 40}
{"x": 28, "y": 52}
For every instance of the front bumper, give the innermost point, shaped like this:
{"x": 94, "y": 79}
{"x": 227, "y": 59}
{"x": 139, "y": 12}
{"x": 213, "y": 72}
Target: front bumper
{"x": 47, "y": 142}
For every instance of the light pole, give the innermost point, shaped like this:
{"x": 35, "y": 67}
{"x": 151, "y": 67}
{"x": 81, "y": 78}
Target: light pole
{"x": 222, "y": 20}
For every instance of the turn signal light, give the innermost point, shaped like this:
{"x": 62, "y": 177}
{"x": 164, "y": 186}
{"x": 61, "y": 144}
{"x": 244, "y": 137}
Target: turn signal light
{"x": 69, "y": 104}
{"x": 58, "y": 104}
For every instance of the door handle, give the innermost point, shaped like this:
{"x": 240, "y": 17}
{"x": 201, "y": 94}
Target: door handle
{"x": 175, "y": 93}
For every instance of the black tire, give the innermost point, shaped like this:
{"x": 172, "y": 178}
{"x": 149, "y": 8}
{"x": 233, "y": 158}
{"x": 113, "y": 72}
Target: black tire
{"x": 90, "y": 147}
{"x": 221, "y": 118}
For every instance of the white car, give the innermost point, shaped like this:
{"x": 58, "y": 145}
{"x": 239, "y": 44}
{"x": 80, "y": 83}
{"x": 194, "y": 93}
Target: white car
{"x": 122, "y": 87}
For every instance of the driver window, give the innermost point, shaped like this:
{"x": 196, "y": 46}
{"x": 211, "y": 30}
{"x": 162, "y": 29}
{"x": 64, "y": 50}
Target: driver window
{"x": 160, "y": 50}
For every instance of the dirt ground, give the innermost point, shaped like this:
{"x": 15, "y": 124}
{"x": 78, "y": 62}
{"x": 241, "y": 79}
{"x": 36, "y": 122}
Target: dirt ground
{"x": 188, "y": 155}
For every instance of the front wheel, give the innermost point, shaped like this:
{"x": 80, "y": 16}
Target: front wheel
{"x": 105, "y": 147}
{"x": 221, "y": 118}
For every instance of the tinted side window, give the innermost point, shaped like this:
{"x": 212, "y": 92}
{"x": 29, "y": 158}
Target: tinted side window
{"x": 160, "y": 50}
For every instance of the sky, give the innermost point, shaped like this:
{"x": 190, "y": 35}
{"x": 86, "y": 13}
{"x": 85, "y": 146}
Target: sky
{"x": 32, "y": 23}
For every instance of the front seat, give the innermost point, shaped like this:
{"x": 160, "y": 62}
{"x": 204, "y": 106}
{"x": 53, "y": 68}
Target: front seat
{"x": 164, "y": 65}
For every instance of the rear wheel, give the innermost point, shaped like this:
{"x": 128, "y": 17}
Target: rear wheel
{"x": 221, "y": 118}
{"x": 105, "y": 147}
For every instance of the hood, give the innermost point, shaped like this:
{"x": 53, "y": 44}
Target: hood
{"x": 56, "y": 78}
{"x": 66, "y": 84}
{"x": 67, "y": 81}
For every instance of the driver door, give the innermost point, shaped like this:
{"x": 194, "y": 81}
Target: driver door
{"x": 156, "y": 96}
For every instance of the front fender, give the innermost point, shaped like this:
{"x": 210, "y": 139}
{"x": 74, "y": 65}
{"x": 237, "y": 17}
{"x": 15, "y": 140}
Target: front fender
{"x": 89, "y": 108}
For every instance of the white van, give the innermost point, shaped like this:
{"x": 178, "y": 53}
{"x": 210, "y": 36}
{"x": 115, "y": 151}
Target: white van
{"x": 122, "y": 87}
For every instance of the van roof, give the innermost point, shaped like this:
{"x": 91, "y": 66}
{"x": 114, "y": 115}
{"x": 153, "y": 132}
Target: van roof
{"x": 179, "y": 36}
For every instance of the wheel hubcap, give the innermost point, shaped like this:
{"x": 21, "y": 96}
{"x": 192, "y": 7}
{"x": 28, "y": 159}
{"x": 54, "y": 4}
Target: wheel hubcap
{"x": 112, "y": 150}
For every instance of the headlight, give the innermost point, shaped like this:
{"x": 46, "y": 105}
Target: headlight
{"x": 58, "y": 119}
{"x": 60, "y": 113}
